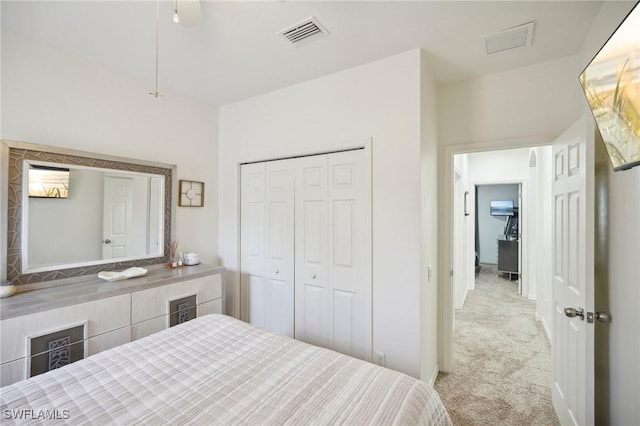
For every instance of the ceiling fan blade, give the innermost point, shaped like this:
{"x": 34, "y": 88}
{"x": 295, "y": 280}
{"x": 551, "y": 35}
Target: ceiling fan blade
{"x": 190, "y": 13}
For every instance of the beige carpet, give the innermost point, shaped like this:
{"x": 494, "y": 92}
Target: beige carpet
{"x": 502, "y": 370}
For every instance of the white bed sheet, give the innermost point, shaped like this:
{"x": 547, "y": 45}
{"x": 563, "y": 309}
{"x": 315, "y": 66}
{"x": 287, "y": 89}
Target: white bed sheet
{"x": 218, "y": 370}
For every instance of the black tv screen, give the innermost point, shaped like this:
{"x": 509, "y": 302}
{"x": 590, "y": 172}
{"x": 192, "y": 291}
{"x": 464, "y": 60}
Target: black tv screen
{"x": 501, "y": 208}
{"x": 611, "y": 83}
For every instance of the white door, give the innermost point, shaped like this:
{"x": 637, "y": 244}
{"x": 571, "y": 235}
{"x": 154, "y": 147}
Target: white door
{"x": 312, "y": 323}
{"x": 333, "y": 253}
{"x": 279, "y": 244}
{"x": 266, "y": 221}
{"x": 118, "y": 217}
{"x": 253, "y": 244}
{"x": 573, "y": 228}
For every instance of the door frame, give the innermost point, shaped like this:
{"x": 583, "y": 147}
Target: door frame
{"x": 350, "y": 145}
{"x": 446, "y": 309}
{"x": 522, "y": 232}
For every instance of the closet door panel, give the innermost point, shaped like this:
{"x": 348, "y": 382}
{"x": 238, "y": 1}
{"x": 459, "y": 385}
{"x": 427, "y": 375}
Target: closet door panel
{"x": 312, "y": 296}
{"x": 314, "y": 226}
{"x": 256, "y": 299}
{"x": 252, "y": 243}
{"x": 280, "y": 307}
{"x": 343, "y": 324}
{"x": 312, "y": 314}
{"x": 280, "y": 252}
{"x": 350, "y": 247}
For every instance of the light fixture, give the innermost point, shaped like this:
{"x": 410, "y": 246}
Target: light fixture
{"x": 156, "y": 93}
{"x": 176, "y": 17}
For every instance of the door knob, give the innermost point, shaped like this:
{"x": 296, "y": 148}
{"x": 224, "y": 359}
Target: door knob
{"x": 573, "y": 312}
{"x": 603, "y": 316}
{"x": 107, "y": 241}
{"x": 313, "y": 276}
{"x": 277, "y": 271}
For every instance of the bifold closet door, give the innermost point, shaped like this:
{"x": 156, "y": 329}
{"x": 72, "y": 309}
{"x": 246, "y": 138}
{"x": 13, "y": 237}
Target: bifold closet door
{"x": 267, "y": 258}
{"x": 333, "y": 252}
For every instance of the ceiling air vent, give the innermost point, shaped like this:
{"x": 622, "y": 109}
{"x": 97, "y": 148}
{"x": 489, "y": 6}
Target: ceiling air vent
{"x": 511, "y": 38}
{"x": 304, "y": 32}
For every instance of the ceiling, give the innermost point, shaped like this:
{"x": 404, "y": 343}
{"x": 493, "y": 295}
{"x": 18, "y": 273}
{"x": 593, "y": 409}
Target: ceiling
{"x": 235, "y": 52}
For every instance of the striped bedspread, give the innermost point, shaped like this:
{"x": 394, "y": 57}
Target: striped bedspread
{"x": 218, "y": 370}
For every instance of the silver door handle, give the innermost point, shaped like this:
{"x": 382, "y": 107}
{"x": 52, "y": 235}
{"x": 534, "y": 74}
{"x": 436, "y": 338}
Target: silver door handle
{"x": 107, "y": 241}
{"x": 313, "y": 276}
{"x": 603, "y": 316}
{"x": 277, "y": 271}
{"x": 573, "y": 312}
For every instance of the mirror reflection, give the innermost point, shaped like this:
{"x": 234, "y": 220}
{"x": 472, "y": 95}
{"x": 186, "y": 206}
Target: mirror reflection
{"x": 77, "y": 215}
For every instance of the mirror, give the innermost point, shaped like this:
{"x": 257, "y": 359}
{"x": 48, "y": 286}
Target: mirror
{"x": 77, "y": 216}
{"x": 60, "y": 231}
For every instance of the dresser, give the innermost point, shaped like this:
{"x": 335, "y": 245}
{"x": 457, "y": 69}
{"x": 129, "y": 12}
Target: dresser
{"x": 50, "y": 327}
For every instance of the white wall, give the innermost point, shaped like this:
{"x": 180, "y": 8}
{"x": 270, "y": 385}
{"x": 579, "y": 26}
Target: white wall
{"x": 380, "y": 101}
{"x": 540, "y": 225}
{"x": 623, "y": 195}
{"x": 429, "y": 233}
{"x": 537, "y": 102}
{"x": 56, "y": 98}
{"x": 624, "y": 297}
{"x": 490, "y": 227}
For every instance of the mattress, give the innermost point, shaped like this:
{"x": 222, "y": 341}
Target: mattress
{"x": 218, "y": 370}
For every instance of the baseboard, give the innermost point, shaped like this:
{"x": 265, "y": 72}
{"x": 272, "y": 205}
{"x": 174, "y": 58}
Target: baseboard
{"x": 464, "y": 299}
{"x": 544, "y": 326}
{"x": 432, "y": 380}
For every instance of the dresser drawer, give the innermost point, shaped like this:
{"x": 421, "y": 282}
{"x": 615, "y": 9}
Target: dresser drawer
{"x": 150, "y": 309}
{"x": 97, "y": 317}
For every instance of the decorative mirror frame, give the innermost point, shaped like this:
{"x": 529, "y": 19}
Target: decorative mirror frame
{"x": 12, "y": 156}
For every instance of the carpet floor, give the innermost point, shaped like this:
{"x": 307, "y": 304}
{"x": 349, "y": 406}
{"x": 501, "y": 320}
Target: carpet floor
{"x": 502, "y": 359}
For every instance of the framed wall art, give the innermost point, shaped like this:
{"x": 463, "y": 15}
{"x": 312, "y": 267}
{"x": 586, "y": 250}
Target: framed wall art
{"x": 191, "y": 193}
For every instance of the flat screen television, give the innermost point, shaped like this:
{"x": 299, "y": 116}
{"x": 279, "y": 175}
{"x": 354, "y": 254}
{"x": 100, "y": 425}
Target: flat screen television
{"x": 48, "y": 182}
{"x": 501, "y": 208}
{"x": 611, "y": 83}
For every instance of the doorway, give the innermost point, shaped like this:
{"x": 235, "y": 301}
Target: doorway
{"x": 498, "y": 230}
{"x": 484, "y": 306}
{"x": 526, "y": 173}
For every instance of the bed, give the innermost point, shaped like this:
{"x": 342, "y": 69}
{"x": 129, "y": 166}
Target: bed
{"x": 219, "y": 370}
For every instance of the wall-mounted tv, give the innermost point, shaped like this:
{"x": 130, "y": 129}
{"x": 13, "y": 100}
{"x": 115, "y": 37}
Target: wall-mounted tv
{"x": 611, "y": 83}
{"x": 48, "y": 182}
{"x": 501, "y": 208}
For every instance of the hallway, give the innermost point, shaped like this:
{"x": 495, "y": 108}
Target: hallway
{"x": 502, "y": 359}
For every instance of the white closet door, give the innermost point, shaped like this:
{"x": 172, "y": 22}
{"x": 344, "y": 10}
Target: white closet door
{"x": 312, "y": 292}
{"x": 333, "y": 253}
{"x": 266, "y": 221}
{"x": 349, "y": 226}
{"x": 253, "y": 244}
{"x": 279, "y": 263}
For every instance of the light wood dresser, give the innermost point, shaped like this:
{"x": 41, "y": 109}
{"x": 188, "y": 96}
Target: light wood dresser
{"x": 50, "y": 327}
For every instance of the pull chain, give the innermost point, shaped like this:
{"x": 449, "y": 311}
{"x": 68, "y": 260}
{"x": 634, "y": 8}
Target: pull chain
{"x": 156, "y": 93}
